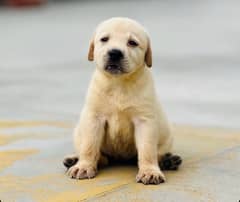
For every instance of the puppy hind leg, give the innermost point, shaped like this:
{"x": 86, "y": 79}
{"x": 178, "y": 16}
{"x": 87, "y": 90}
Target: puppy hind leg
{"x": 103, "y": 161}
{"x": 170, "y": 162}
{"x": 71, "y": 160}
{"x": 167, "y": 160}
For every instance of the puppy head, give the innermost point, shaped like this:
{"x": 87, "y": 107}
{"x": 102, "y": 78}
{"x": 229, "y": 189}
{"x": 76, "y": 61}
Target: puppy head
{"x": 120, "y": 46}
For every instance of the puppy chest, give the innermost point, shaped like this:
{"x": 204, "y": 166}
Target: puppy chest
{"x": 119, "y": 137}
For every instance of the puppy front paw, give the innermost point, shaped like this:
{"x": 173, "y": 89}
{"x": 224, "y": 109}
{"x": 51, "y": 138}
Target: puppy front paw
{"x": 150, "y": 176}
{"x": 82, "y": 171}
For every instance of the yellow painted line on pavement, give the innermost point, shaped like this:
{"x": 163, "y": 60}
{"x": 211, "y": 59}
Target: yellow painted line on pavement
{"x": 97, "y": 191}
{"x": 7, "y": 139}
{"x": 195, "y": 143}
{"x": 15, "y": 124}
{"x": 96, "y": 187}
{"x": 9, "y": 157}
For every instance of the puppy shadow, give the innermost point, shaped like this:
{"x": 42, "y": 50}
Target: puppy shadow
{"x": 168, "y": 162}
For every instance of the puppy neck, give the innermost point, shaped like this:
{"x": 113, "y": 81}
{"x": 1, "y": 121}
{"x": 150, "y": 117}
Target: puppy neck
{"x": 122, "y": 79}
{"x": 137, "y": 82}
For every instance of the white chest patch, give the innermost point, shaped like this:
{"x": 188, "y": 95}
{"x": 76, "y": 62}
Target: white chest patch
{"x": 119, "y": 139}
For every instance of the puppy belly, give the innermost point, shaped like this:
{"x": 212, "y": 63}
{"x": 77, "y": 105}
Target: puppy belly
{"x": 119, "y": 138}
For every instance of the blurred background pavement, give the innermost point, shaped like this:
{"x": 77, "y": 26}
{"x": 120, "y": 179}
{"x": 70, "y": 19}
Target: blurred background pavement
{"x": 44, "y": 70}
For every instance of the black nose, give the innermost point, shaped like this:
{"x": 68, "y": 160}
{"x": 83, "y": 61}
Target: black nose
{"x": 115, "y": 55}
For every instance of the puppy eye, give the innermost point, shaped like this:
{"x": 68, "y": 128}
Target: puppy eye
{"x": 132, "y": 43}
{"x": 104, "y": 39}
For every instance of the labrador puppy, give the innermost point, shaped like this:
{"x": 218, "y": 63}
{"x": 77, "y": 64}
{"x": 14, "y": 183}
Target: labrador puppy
{"x": 122, "y": 118}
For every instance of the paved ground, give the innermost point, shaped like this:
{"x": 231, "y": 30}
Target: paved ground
{"x": 44, "y": 73}
{"x": 31, "y": 155}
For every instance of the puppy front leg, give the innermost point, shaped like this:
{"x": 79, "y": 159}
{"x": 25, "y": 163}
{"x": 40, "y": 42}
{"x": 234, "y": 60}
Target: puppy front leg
{"x": 146, "y": 142}
{"x": 87, "y": 138}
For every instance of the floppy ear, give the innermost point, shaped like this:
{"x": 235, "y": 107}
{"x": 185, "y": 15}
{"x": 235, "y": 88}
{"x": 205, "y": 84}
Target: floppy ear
{"x": 91, "y": 51}
{"x": 148, "y": 55}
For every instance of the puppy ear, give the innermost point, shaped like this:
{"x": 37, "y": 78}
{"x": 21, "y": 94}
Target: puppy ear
{"x": 91, "y": 51}
{"x": 148, "y": 55}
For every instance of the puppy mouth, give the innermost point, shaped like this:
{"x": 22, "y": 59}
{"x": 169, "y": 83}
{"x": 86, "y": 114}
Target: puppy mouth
{"x": 114, "y": 69}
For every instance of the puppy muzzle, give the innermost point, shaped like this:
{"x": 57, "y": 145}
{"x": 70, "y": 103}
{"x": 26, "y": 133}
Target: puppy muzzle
{"x": 114, "y": 63}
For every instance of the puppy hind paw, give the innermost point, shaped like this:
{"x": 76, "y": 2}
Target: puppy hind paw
{"x": 170, "y": 162}
{"x": 70, "y": 161}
